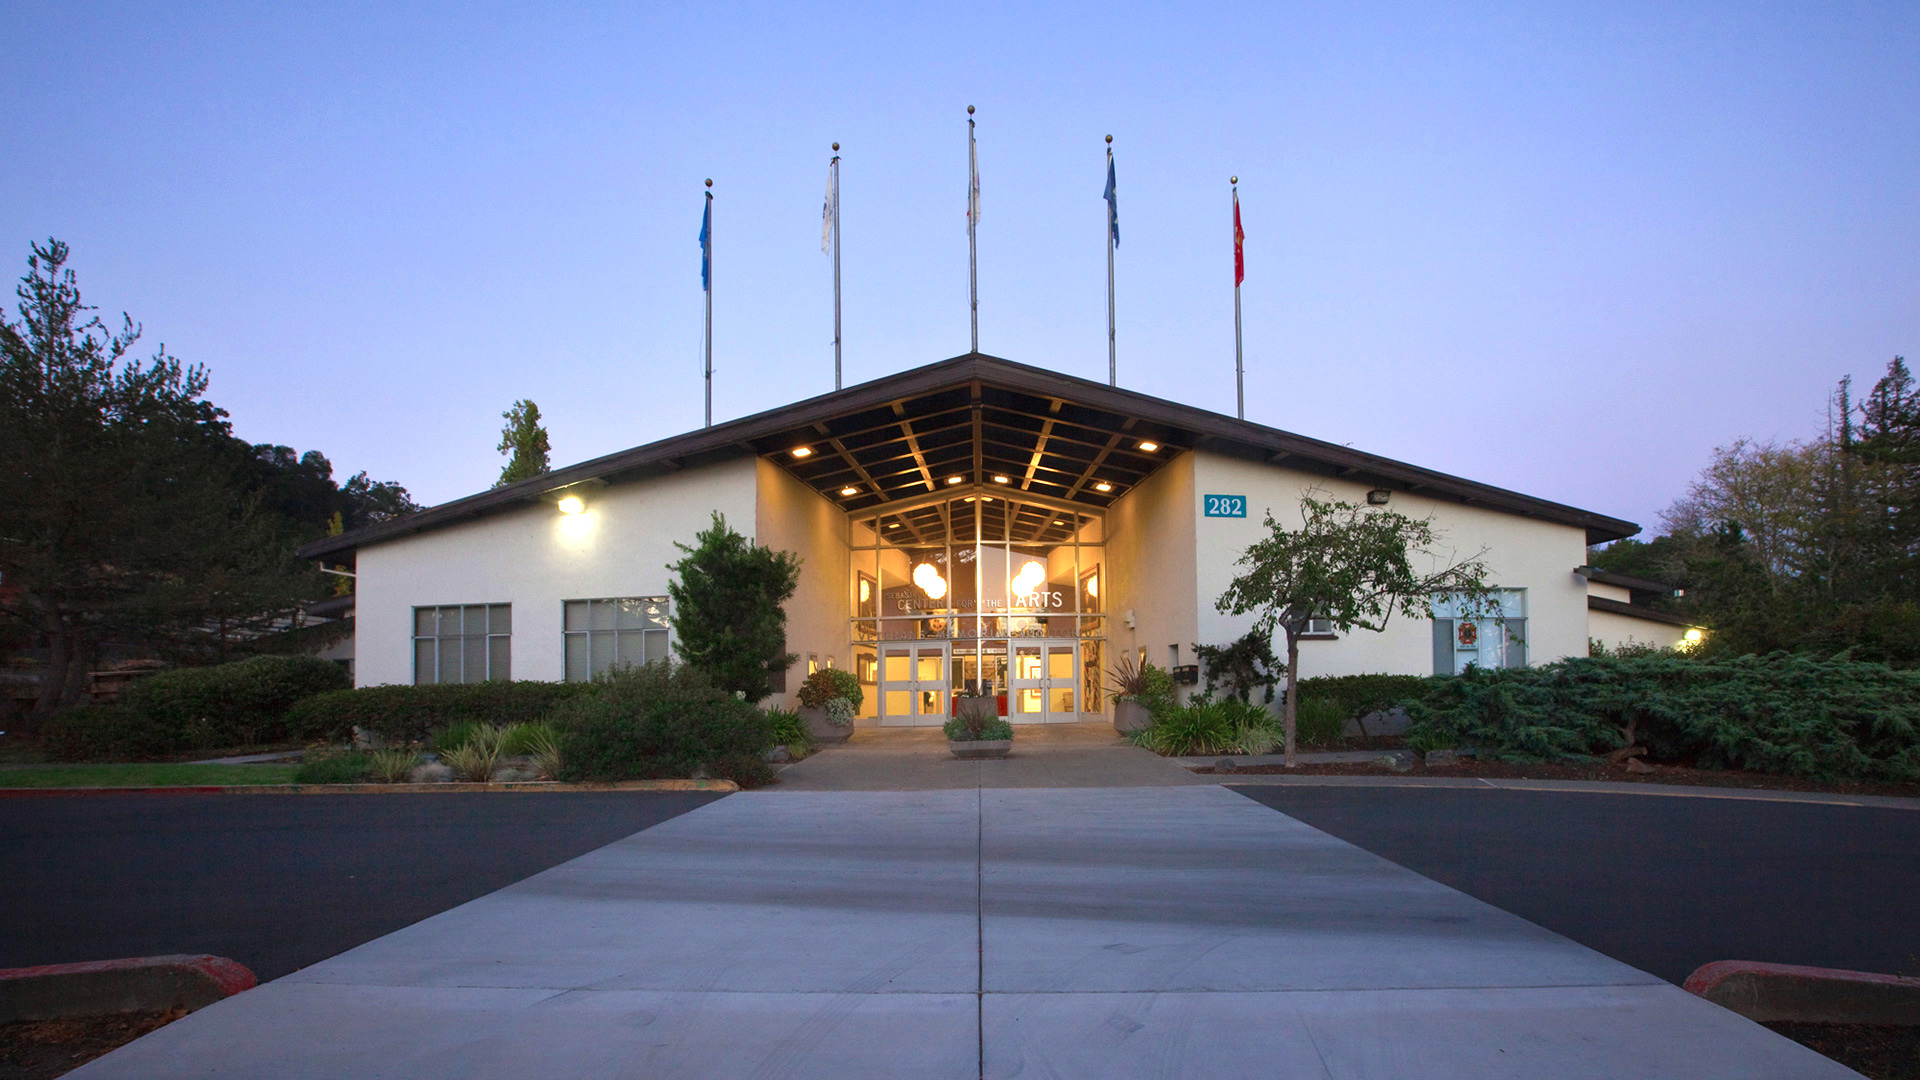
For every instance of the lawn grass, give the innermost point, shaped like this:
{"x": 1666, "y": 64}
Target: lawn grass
{"x": 157, "y": 775}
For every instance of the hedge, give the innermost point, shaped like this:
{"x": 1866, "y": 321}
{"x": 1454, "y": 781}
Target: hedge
{"x": 660, "y": 720}
{"x": 1825, "y": 719}
{"x": 411, "y": 714}
{"x": 244, "y": 703}
{"x": 1362, "y": 695}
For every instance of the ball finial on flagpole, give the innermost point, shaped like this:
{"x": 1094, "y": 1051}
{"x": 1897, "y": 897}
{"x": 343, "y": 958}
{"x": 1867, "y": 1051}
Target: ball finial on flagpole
{"x": 1233, "y": 179}
{"x": 1109, "y": 140}
{"x": 709, "y": 183}
{"x": 836, "y": 148}
{"x": 969, "y": 110}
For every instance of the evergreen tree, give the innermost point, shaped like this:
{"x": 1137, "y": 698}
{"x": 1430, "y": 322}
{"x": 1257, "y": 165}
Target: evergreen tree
{"x": 727, "y": 594}
{"x": 525, "y": 443}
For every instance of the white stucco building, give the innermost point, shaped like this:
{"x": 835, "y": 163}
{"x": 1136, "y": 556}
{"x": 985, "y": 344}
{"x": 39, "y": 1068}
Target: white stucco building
{"x": 973, "y": 521}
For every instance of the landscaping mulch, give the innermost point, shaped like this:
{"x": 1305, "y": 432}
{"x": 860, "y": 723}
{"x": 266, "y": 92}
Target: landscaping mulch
{"x": 1876, "y": 1051}
{"x": 38, "y": 1049}
{"x": 1677, "y": 773}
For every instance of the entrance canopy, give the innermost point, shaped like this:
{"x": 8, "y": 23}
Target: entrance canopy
{"x": 899, "y": 444}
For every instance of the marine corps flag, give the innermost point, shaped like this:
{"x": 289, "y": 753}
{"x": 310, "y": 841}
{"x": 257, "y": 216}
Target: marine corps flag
{"x": 1239, "y": 244}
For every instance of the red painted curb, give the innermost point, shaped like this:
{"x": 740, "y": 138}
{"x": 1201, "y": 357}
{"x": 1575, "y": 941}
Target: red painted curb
{"x": 102, "y": 987}
{"x": 41, "y": 793}
{"x": 1792, "y": 992}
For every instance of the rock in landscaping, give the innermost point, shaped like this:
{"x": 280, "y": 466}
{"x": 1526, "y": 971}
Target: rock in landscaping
{"x": 779, "y": 755}
{"x": 1443, "y": 757}
{"x": 431, "y": 773}
{"x": 1226, "y": 764}
{"x": 1398, "y": 761}
{"x": 1635, "y": 765}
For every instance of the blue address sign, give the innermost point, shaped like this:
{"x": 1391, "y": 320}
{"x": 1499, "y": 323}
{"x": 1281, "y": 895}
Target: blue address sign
{"x": 1226, "y": 506}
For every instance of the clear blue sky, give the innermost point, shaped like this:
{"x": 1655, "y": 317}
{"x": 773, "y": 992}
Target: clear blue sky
{"x": 1566, "y": 250}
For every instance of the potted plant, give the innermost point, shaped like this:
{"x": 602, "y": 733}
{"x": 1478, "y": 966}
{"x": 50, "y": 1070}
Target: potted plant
{"x": 978, "y": 731}
{"x": 1138, "y": 690}
{"x": 829, "y": 699}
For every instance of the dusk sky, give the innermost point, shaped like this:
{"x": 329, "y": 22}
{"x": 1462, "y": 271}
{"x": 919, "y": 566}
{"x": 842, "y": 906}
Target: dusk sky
{"x": 1563, "y": 250}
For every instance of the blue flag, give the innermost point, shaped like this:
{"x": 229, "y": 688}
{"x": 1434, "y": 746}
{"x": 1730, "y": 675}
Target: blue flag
{"x": 706, "y": 248}
{"x": 1113, "y": 204}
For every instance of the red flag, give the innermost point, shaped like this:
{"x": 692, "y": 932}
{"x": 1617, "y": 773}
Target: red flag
{"x": 1239, "y": 242}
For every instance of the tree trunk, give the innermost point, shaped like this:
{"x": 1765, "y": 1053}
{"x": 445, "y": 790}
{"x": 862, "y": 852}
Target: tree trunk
{"x": 53, "y": 681}
{"x": 1293, "y": 687}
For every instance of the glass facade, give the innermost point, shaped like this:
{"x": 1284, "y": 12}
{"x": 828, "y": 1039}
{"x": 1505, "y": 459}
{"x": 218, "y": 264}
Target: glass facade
{"x": 979, "y": 595}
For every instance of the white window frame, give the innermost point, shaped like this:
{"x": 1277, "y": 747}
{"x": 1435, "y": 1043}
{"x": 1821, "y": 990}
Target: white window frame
{"x": 489, "y": 641}
{"x": 593, "y": 643}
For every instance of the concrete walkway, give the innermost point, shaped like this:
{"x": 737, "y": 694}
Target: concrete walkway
{"x": 1044, "y": 756}
{"x": 1119, "y": 932}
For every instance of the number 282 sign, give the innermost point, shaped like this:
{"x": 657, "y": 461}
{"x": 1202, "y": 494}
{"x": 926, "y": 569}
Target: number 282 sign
{"x": 1226, "y": 506}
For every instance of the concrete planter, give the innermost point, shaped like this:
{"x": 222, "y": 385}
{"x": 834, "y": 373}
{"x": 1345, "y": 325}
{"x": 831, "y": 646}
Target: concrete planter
{"x": 822, "y": 731}
{"x": 980, "y": 748}
{"x": 1130, "y": 716}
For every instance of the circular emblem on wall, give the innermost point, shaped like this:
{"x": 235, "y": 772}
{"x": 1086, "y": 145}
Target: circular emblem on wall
{"x": 1469, "y": 634}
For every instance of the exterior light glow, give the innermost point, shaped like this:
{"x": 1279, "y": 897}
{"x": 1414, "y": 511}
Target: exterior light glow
{"x": 955, "y": 479}
{"x": 969, "y": 498}
{"x": 571, "y": 504}
{"x": 849, "y": 490}
{"x": 1103, "y": 486}
{"x": 986, "y": 498}
{"x": 930, "y": 581}
{"x": 1694, "y": 635}
{"x": 1058, "y": 522}
{"x": 1029, "y": 579}
{"x": 803, "y": 451}
{"x": 999, "y": 479}
{"x": 1149, "y": 446}
{"x": 893, "y": 524}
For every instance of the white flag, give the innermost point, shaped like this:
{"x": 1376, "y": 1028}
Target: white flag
{"x": 826, "y": 216}
{"x": 973, "y": 184}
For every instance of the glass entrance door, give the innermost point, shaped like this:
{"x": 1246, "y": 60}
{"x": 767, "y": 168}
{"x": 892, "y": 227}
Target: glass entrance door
{"x": 914, "y": 686}
{"x": 1044, "y": 684}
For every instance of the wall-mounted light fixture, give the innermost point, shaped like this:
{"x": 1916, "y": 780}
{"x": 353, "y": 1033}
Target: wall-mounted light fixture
{"x": 1378, "y": 497}
{"x": 571, "y": 504}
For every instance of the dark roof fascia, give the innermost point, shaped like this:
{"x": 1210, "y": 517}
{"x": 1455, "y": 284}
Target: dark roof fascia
{"x": 1635, "y": 611}
{"x": 333, "y": 607}
{"x": 1626, "y": 581}
{"x": 1213, "y": 432}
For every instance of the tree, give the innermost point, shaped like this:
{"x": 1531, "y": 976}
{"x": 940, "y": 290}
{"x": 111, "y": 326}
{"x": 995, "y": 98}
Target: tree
{"x": 121, "y": 513}
{"x": 727, "y": 594}
{"x": 525, "y": 441}
{"x": 1353, "y": 566}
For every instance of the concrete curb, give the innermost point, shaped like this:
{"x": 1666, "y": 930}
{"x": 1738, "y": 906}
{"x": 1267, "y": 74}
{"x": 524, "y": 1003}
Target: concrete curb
{"x": 1589, "y": 787}
{"x": 722, "y": 786}
{"x": 105, "y": 987}
{"x": 1815, "y": 995}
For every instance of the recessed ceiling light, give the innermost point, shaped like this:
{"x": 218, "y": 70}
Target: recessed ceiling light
{"x": 1057, "y": 522}
{"x": 969, "y": 498}
{"x": 1103, "y": 486}
{"x": 849, "y": 490}
{"x": 803, "y": 451}
{"x": 1149, "y": 446}
{"x": 999, "y": 479}
{"x": 986, "y": 498}
{"x": 893, "y": 524}
{"x": 955, "y": 479}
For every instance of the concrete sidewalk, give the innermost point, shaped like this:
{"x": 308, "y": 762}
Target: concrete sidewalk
{"x": 1164, "y": 932}
{"x": 1044, "y": 756}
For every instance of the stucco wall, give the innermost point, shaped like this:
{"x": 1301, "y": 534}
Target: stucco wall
{"x": 1521, "y": 553}
{"x": 535, "y": 559}
{"x": 1151, "y": 565}
{"x": 793, "y": 517}
{"x": 1617, "y": 630}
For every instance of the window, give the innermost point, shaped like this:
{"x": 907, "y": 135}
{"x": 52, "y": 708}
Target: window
{"x": 604, "y": 634}
{"x": 1493, "y": 635}
{"x": 464, "y": 643}
{"x": 1319, "y": 628}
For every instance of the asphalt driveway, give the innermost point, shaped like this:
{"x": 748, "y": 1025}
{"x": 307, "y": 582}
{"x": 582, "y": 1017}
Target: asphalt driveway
{"x": 277, "y": 882}
{"x": 1663, "y": 883}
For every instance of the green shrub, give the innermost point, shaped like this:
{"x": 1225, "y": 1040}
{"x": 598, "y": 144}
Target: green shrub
{"x": 978, "y": 720}
{"x": 748, "y": 770}
{"x": 1319, "y": 721}
{"x": 789, "y": 730}
{"x": 245, "y": 703}
{"x": 829, "y": 683}
{"x": 1357, "y": 696}
{"x": 657, "y": 720}
{"x": 412, "y": 714}
{"x": 392, "y": 766}
{"x": 1205, "y": 727}
{"x": 335, "y": 769}
{"x": 521, "y": 739}
{"x": 103, "y": 733}
{"x": 1791, "y": 714}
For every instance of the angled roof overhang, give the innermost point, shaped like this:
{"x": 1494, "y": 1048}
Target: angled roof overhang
{"x": 888, "y": 444}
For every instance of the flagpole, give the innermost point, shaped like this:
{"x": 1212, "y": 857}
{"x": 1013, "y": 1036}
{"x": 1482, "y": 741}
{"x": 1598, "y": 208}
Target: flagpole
{"x": 1113, "y": 370}
{"x": 709, "y": 291}
{"x": 836, "y": 265}
{"x": 1239, "y": 369}
{"x": 973, "y": 271}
